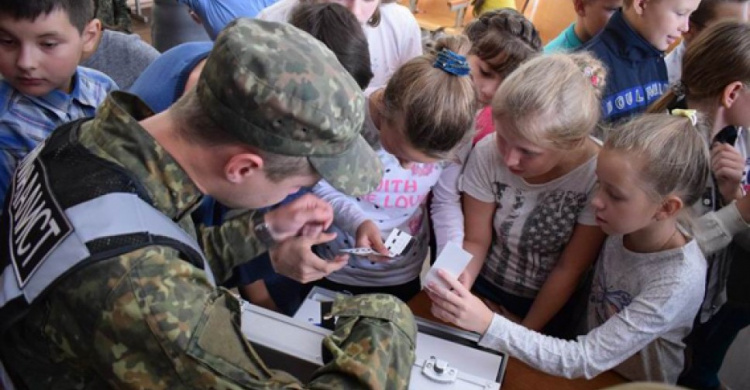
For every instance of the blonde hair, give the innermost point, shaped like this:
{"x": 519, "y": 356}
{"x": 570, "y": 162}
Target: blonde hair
{"x": 719, "y": 56}
{"x": 435, "y": 107}
{"x": 552, "y": 100}
{"x": 673, "y": 155}
{"x": 503, "y": 38}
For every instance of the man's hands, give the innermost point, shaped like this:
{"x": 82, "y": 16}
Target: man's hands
{"x": 307, "y": 215}
{"x": 296, "y": 227}
{"x": 295, "y": 259}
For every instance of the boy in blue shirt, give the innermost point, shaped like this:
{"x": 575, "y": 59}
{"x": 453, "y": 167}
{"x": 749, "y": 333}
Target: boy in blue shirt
{"x": 41, "y": 42}
{"x": 591, "y": 17}
{"x": 632, "y": 46}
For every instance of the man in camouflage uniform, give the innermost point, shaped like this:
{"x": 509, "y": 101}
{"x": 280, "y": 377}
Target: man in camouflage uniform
{"x": 114, "y": 15}
{"x": 148, "y": 318}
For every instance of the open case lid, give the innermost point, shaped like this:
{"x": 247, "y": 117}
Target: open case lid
{"x": 446, "y": 357}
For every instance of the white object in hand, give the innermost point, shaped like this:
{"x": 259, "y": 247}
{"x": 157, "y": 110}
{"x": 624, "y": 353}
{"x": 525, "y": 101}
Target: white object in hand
{"x": 453, "y": 259}
{"x": 397, "y": 242}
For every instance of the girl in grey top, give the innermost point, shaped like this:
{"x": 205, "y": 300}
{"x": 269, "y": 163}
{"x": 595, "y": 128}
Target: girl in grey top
{"x": 646, "y": 283}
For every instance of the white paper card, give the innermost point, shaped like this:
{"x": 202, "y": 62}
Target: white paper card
{"x": 452, "y": 259}
{"x": 397, "y": 241}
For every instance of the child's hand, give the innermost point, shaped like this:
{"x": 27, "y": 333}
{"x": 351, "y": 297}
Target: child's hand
{"x": 466, "y": 279}
{"x": 728, "y": 166}
{"x": 368, "y": 236}
{"x": 458, "y": 305}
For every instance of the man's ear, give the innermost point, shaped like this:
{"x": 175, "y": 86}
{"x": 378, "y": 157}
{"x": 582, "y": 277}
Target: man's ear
{"x": 90, "y": 36}
{"x": 731, "y": 93}
{"x": 241, "y": 167}
{"x": 669, "y": 208}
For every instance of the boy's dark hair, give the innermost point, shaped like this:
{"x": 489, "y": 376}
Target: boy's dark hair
{"x": 337, "y": 28}
{"x": 80, "y": 12}
{"x": 374, "y": 20}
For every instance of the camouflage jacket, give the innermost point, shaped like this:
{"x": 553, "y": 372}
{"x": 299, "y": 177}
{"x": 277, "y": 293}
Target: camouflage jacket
{"x": 114, "y": 15}
{"x": 148, "y": 319}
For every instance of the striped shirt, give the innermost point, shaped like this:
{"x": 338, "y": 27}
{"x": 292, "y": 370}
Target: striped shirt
{"x": 25, "y": 121}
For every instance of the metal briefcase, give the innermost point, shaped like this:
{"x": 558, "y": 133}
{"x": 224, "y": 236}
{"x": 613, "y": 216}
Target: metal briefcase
{"x": 446, "y": 358}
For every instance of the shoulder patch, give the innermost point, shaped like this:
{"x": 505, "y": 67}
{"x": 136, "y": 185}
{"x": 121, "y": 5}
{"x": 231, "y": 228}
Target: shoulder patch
{"x": 37, "y": 222}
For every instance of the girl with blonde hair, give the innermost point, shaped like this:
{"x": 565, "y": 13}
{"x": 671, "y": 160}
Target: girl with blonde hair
{"x": 526, "y": 190}
{"x": 644, "y": 295}
{"x": 414, "y": 124}
{"x": 716, "y": 82}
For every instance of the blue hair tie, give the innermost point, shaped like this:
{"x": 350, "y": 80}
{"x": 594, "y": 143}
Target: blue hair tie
{"x": 452, "y": 63}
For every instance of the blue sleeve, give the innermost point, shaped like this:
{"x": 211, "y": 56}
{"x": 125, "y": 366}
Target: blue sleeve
{"x": 215, "y": 15}
{"x": 8, "y": 163}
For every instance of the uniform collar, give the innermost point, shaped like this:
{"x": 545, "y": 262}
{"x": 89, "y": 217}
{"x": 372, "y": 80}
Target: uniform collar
{"x": 116, "y": 135}
{"x": 627, "y": 42}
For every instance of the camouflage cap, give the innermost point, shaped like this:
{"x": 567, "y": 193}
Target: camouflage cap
{"x": 277, "y": 88}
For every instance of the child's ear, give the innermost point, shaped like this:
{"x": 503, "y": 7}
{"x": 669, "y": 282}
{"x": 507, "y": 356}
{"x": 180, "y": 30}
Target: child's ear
{"x": 669, "y": 208}
{"x": 731, "y": 93}
{"x": 90, "y": 35}
{"x": 639, "y": 6}
{"x": 578, "y": 5}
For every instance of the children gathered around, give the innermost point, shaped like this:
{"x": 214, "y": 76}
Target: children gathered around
{"x": 599, "y": 182}
{"x": 643, "y": 298}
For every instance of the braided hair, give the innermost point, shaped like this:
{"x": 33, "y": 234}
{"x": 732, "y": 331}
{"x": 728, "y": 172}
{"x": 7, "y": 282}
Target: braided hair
{"x": 503, "y": 38}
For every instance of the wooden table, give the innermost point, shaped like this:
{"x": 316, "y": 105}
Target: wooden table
{"x": 518, "y": 375}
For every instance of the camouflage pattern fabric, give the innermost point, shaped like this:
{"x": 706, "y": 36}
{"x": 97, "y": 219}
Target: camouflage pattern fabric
{"x": 114, "y": 15}
{"x": 276, "y": 87}
{"x": 149, "y": 320}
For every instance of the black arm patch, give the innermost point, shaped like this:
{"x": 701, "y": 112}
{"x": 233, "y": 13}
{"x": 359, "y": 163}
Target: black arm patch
{"x": 36, "y": 222}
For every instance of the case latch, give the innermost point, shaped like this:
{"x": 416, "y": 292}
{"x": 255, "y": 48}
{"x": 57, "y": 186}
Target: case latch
{"x": 439, "y": 370}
